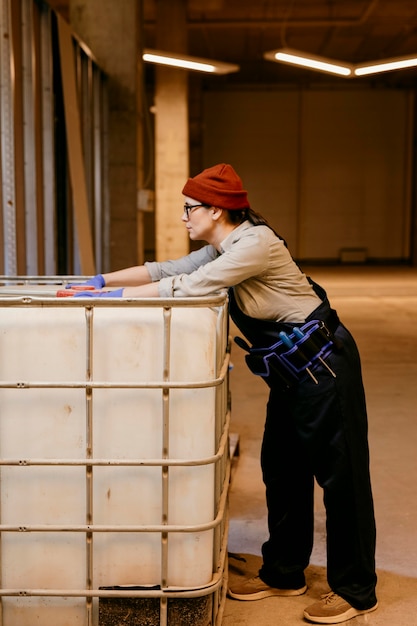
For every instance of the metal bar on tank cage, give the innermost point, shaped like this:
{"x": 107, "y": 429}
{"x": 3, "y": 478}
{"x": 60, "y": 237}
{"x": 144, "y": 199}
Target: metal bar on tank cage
{"x": 163, "y": 604}
{"x": 108, "y": 462}
{"x": 89, "y": 537}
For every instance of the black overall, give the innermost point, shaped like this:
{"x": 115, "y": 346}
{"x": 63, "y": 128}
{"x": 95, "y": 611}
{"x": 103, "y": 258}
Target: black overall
{"x": 317, "y": 430}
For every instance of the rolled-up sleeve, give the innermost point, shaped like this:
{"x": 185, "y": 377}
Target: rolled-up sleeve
{"x": 164, "y": 272}
{"x": 184, "y": 265}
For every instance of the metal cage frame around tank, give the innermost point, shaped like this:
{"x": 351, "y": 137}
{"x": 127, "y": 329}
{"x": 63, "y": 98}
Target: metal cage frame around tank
{"x": 38, "y": 297}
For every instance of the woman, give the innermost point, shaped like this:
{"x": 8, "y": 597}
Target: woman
{"x": 316, "y": 422}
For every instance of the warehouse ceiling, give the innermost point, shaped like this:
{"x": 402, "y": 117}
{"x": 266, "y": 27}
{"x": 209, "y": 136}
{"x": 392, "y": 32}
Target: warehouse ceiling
{"x": 240, "y": 31}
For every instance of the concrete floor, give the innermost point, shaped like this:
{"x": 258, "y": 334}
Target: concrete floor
{"x": 379, "y": 306}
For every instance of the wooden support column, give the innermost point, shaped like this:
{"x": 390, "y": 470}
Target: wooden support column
{"x": 111, "y": 30}
{"x": 171, "y": 133}
{"x": 75, "y": 152}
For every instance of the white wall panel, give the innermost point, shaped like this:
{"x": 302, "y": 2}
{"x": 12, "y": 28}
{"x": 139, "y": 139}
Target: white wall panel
{"x": 353, "y": 175}
{"x": 329, "y": 169}
{"x": 257, "y": 134}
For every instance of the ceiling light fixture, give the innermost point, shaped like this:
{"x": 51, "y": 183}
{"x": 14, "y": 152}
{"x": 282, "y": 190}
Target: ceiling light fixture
{"x": 322, "y": 64}
{"x": 385, "y": 65}
{"x": 186, "y": 62}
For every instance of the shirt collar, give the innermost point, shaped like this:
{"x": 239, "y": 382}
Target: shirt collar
{"x": 227, "y": 243}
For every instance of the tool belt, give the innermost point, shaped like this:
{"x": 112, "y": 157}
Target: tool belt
{"x": 294, "y": 356}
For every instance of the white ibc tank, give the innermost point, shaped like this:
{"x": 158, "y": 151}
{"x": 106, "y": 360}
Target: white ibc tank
{"x": 84, "y": 380}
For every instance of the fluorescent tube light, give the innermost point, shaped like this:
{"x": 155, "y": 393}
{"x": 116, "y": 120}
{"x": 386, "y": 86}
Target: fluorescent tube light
{"x": 385, "y": 65}
{"x": 322, "y": 64}
{"x": 186, "y": 62}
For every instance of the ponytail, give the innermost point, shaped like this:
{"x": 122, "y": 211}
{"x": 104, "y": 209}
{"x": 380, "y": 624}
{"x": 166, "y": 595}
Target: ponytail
{"x": 239, "y": 216}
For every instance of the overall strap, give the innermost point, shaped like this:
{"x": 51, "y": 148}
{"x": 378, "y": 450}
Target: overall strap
{"x": 264, "y": 332}
{"x": 257, "y": 332}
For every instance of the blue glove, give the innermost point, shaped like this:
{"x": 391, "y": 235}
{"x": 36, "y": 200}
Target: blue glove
{"x": 97, "y": 282}
{"x": 117, "y": 293}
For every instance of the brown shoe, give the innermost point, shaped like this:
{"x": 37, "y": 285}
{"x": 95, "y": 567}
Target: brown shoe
{"x": 256, "y": 589}
{"x": 332, "y": 609}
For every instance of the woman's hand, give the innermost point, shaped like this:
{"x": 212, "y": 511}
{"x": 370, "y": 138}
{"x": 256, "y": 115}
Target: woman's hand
{"x": 96, "y": 282}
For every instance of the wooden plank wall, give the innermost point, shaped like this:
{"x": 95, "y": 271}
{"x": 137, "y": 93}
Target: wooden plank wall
{"x": 49, "y": 222}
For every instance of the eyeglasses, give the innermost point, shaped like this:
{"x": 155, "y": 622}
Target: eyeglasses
{"x": 190, "y": 207}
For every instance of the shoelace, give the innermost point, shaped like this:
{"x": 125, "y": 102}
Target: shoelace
{"x": 329, "y": 598}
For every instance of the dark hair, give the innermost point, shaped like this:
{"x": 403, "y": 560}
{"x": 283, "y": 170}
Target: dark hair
{"x": 239, "y": 216}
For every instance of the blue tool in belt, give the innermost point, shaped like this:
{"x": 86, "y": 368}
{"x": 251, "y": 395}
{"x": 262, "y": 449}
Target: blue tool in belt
{"x": 304, "y": 362}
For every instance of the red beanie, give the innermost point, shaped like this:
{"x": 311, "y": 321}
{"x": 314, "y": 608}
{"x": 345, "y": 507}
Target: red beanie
{"x": 218, "y": 186}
